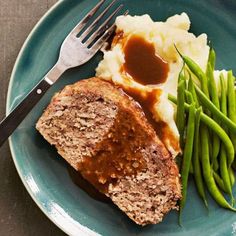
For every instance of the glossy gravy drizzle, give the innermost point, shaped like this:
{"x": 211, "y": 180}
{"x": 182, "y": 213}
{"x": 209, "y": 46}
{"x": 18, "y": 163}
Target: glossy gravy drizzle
{"x": 114, "y": 157}
{"x": 147, "y": 102}
{"x": 142, "y": 63}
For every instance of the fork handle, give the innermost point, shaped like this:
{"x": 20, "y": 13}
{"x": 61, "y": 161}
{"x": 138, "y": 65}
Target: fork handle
{"x": 17, "y": 115}
{"x": 10, "y": 123}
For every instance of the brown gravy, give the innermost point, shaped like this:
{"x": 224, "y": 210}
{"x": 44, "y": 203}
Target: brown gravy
{"x": 142, "y": 63}
{"x": 147, "y": 102}
{"x": 115, "y": 157}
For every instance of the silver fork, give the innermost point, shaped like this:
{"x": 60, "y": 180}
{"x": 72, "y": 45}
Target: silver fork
{"x": 75, "y": 51}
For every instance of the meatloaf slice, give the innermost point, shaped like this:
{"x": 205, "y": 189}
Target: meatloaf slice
{"x": 103, "y": 133}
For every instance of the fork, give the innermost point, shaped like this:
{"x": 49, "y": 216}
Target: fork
{"x": 75, "y": 51}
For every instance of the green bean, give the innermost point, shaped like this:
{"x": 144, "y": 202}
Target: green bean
{"x": 186, "y": 73}
{"x": 219, "y": 181}
{"x": 188, "y": 149}
{"x": 191, "y": 89}
{"x": 195, "y": 99}
{"x": 224, "y": 110}
{"x": 197, "y": 71}
{"x": 196, "y": 159}
{"x": 231, "y": 98}
{"x": 181, "y": 75}
{"x": 215, "y": 100}
{"x": 234, "y": 163}
{"x": 224, "y": 173}
{"x": 209, "y": 142}
{"x": 215, "y": 143}
{"x": 180, "y": 117}
{"x": 232, "y": 177}
{"x": 214, "y": 126}
{"x": 189, "y": 98}
{"x": 231, "y": 103}
{"x": 217, "y": 113}
{"x": 208, "y": 173}
{"x": 235, "y": 98}
{"x": 212, "y": 58}
{"x": 223, "y": 97}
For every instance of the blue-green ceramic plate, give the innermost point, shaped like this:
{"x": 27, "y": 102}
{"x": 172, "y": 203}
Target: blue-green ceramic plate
{"x": 46, "y": 176}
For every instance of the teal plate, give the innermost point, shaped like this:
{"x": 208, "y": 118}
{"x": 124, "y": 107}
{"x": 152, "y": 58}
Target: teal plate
{"x": 46, "y": 176}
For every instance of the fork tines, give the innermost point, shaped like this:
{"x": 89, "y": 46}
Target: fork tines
{"x": 103, "y": 31}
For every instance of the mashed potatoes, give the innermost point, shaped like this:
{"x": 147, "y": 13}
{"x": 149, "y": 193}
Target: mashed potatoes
{"x": 163, "y": 35}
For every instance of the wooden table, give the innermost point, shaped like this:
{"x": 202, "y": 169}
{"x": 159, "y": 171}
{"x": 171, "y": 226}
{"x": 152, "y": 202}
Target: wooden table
{"x": 19, "y": 215}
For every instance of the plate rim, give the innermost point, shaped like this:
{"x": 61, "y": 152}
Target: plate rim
{"x": 64, "y": 228}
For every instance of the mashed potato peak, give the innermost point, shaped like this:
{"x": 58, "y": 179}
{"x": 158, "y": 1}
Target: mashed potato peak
{"x": 163, "y": 35}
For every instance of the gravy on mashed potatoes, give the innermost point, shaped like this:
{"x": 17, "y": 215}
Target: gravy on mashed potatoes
{"x": 152, "y": 71}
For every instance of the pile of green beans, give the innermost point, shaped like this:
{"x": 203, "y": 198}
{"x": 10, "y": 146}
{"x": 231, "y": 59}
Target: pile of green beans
{"x": 206, "y": 119}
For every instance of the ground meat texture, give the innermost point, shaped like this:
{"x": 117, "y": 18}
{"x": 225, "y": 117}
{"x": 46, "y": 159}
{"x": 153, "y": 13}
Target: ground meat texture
{"x": 103, "y": 133}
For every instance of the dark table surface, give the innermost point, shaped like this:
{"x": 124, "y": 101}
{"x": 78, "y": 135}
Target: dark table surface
{"x": 19, "y": 215}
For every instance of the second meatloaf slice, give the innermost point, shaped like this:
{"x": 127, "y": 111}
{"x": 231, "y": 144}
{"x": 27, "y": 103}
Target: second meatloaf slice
{"x": 103, "y": 133}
